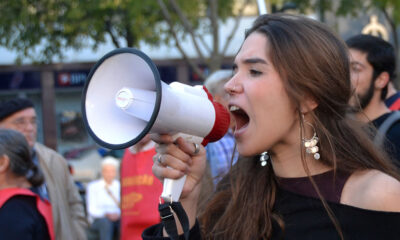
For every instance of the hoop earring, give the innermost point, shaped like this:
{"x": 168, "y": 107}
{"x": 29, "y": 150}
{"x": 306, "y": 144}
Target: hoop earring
{"x": 311, "y": 144}
{"x": 263, "y": 158}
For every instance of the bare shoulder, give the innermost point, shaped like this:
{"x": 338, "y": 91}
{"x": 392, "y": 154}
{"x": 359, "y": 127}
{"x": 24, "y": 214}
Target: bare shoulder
{"x": 373, "y": 190}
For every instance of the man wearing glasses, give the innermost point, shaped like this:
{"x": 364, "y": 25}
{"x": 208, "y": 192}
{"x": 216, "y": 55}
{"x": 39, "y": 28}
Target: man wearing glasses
{"x": 67, "y": 208}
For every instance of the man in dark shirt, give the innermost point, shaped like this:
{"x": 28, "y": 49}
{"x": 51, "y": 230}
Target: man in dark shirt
{"x": 372, "y": 67}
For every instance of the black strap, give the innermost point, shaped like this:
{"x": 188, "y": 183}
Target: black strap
{"x": 183, "y": 218}
{"x": 166, "y": 213}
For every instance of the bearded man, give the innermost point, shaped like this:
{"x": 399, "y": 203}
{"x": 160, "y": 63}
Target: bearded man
{"x": 372, "y": 68}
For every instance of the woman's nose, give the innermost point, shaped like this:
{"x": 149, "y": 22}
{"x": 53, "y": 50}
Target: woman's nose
{"x": 230, "y": 86}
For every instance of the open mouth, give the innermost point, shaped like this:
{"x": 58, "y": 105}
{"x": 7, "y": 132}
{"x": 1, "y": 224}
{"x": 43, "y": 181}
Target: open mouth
{"x": 241, "y": 117}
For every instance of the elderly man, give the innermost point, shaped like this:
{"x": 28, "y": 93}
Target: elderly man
{"x": 59, "y": 188}
{"x": 103, "y": 200}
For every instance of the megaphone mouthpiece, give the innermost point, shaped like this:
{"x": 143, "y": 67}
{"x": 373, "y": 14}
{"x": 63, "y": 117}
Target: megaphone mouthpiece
{"x": 221, "y": 125}
{"x": 222, "y": 121}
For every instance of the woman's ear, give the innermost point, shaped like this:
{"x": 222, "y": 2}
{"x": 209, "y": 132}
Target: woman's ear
{"x": 4, "y": 163}
{"x": 308, "y": 104}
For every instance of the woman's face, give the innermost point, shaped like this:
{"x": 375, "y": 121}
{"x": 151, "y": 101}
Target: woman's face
{"x": 265, "y": 117}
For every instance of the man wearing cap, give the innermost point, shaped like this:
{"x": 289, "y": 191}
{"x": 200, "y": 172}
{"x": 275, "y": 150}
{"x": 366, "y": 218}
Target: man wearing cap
{"x": 59, "y": 188}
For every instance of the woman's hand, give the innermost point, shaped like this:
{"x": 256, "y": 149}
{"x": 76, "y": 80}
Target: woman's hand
{"x": 181, "y": 158}
{"x": 175, "y": 159}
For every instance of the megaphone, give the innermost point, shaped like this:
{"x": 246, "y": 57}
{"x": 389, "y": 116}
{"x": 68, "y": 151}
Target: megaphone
{"x": 124, "y": 99}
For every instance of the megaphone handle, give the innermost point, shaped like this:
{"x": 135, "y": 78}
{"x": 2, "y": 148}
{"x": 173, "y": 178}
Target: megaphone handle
{"x": 172, "y": 188}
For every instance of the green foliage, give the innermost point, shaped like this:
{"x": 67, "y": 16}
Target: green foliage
{"x": 43, "y": 29}
{"x": 350, "y": 7}
{"x": 302, "y": 5}
{"x": 225, "y": 8}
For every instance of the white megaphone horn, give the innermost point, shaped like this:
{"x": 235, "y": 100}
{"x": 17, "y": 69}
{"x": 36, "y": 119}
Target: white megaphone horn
{"x": 124, "y": 99}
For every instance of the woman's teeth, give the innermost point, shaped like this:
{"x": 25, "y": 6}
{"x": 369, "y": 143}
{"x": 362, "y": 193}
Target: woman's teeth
{"x": 233, "y": 108}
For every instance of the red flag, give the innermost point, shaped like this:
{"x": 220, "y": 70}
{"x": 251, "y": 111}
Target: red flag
{"x": 140, "y": 192}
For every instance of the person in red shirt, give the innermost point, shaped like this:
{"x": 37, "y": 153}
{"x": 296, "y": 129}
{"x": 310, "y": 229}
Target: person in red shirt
{"x": 140, "y": 190}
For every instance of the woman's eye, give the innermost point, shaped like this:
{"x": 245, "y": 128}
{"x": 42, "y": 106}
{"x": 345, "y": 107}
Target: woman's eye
{"x": 355, "y": 69}
{"x": 255, "y": 72}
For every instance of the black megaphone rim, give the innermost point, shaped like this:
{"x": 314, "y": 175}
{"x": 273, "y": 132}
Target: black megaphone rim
{"x": 156, "y": 107}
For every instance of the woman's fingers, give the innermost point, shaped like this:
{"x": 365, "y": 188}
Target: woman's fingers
{"x": 171, "y": 161}
{"x": 176, "y": 158}
{"x": 162, "y": 172}
{"x": 161, "y": 138}
{"x": 173, "y": 150}
{"x": 192, "y": 149}
{"x": 179, "y": 148}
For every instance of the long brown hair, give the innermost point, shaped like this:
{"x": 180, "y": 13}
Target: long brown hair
{"x": 312, "y": 61}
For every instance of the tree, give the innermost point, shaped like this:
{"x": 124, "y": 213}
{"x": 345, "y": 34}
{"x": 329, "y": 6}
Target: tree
{"x": 216, "y": 12}
{"x": 389, "y": 8}
{"x": 42, "y": 30}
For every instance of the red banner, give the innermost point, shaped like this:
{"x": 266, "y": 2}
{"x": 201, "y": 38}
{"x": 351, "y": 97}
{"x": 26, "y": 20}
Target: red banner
{"x": 140, "y": 191}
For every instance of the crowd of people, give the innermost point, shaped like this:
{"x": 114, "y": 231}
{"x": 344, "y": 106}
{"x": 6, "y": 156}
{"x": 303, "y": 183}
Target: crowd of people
{"x": 312, "y": 152}
{"x": 58, "y": 188}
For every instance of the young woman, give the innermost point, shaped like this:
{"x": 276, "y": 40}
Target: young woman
{"x": 23, "y": 215}
{"x": 322, "y": 178}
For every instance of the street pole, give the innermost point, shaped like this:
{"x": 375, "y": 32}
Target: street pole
{"x": 262, "y": 9}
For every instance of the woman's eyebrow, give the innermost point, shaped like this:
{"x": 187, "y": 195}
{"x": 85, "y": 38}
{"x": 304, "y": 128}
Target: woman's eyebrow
{"x": 255, "y": 60}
